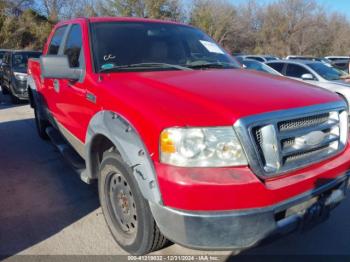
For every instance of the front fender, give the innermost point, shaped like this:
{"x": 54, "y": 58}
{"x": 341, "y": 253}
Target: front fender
{"x": 130, "y": 145}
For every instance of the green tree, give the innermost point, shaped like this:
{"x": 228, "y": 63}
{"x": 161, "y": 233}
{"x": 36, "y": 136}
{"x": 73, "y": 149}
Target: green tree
{"x": 215, "y": 18}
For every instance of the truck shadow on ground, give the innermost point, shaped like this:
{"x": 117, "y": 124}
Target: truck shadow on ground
{"x": 39, "y": 194}
{"x": 5, "y": 102}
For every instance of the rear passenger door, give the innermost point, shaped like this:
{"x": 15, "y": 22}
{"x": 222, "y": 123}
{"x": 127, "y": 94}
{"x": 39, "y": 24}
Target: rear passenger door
{"x": 76, "y": 109}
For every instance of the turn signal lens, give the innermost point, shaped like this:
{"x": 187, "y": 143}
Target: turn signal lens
{"x": 166, "y": 144}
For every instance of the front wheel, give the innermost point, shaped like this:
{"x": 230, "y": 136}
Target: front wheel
{"x": 4, "y": 90}
{"x": 127, "y": 213}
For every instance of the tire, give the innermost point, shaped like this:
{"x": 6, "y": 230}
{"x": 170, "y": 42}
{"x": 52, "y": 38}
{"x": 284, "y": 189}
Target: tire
{"x": 126, "y": 212}
{"x": 14, "y": 99}
{"x": 4, "y": 90}
{"x": 41, "y": 125}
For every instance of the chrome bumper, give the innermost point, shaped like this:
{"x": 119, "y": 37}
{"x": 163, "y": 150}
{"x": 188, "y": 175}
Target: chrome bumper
{"x": 239, "y": 230}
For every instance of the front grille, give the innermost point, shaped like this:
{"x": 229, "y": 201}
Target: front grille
{"x": 303, "y": 122}
{"x": 288, "y": 140}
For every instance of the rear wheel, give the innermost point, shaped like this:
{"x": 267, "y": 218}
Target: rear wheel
{"x": 127, "y": 213}
{"x": 41, "y": 125}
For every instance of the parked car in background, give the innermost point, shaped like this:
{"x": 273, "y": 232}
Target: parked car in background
{"x": 310, "y": 58}
{"x": 186, "y": 145}
{"x": 335, "y": 58}
{"x": 260, "y": 58}
{"x": 315, "y": 73}
{"x": 2, "y": 53}
{"x": 340, "y": 62}
{"x": 14, "y": 76}
{"x": 258, "y": 66}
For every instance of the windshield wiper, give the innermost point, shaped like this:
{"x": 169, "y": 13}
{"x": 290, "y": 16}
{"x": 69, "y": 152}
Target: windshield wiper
{"x": 212, "y": 65}
{"x": 144, "y": 66}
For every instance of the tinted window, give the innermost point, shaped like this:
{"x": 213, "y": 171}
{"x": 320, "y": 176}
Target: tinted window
{"x": 296, "y": 71}
{"x": 20, "y": 60}
{"x": 255, "y": 65}
{"x": 56, "y": 41}
{"x": 73, "y": 46}
{"x": 5, "y": 58}
{"x": 2, "y": 55}
{"x": 326, "y": 71}
{"x": 129, "y": 43}
{"x": 255, "y": 58}
{"x": 277, "y": 66}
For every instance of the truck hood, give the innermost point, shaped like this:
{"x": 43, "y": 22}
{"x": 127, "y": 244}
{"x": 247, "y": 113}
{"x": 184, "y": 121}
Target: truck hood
{"x": 215, "y": 97}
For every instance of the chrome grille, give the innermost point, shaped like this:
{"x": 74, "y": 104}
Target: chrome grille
{"x": 303, "y": 122}
{"x": 287, "y": 140}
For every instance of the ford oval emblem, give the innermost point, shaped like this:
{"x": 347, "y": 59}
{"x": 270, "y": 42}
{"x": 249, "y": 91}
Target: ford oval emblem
{"x": 311, "y": 139}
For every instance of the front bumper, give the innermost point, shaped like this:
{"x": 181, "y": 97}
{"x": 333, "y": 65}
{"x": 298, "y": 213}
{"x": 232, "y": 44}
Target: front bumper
{"x": 239, "y": 230}
{"x": 19, "y": 89}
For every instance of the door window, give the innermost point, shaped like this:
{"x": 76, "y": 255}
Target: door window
{"x": 296, "y": 71}
{"x": 56, "y": 40}
{"x": 277, "y": 66}
{"x": 73, "y": 46}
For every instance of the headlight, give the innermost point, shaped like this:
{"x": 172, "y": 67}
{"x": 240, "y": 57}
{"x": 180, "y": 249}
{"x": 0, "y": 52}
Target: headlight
{"x": 21, "y": 76}
{"x": 201, "y": 147}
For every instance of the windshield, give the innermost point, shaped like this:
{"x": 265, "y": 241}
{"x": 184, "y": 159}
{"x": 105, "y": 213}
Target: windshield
{"x": 326, "y": 71}
{"x": 20, "y": 60}
{"x": 145, "y": 46}
{"x": 254, "y": 65}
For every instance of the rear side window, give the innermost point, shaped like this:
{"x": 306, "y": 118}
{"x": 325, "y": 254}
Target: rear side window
{"x": 277, "y": 66}
{"x": 73, "y": 46}
{"x": 296, "y": 71}
{"x": 56, "y": 41}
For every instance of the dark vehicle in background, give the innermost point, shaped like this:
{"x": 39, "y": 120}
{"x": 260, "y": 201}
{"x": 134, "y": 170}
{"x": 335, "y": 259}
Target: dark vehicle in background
{"x": 2, "y": 53}
{"x": 14, "y": 78}
{"x": 258, "y": 66}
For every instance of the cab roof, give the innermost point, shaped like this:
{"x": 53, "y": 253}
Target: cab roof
{"x": 120, "y": 19}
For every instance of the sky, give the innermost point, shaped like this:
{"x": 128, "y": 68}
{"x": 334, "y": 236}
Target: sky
{"x": 342, "y": 6}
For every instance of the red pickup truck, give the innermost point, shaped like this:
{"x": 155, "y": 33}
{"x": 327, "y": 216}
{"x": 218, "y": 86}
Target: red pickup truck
{"x": 185, "y": 145}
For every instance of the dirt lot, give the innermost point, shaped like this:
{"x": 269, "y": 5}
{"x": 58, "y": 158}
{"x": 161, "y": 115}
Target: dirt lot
{"x": 46, "y": 210}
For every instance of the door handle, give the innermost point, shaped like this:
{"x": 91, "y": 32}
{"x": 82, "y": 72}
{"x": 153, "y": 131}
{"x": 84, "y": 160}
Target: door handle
{"x": 91, "y": 97}
{"x": 56, "y": 85}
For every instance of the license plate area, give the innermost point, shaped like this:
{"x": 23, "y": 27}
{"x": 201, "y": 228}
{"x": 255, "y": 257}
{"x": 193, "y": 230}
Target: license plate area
{"x": 301, "y": 209}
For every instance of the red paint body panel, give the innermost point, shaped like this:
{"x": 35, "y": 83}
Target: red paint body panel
{"x": 153, "y": 101}
{"x": 224, "y": 189}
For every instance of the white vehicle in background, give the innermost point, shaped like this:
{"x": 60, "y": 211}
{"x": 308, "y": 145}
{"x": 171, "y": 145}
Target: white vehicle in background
{"x": 340, "y": 62}
{"x": 334, "y": 58}
{"x": 260, "y": 58}
{"x": 310, "y": 58}
{"x": 315, "y": 73}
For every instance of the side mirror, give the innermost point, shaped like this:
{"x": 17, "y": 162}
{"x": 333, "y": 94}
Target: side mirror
{"x": 58, "y": 67}
{"x": 307, "y": 77}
